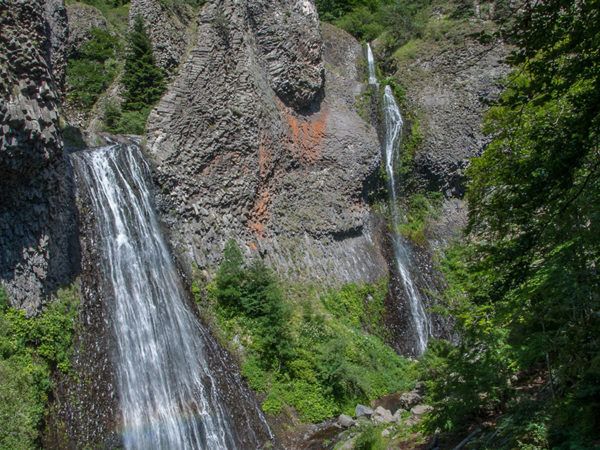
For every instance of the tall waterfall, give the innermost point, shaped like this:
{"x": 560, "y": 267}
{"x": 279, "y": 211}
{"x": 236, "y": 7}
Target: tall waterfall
{"x": 393, "y": 134}
{"x": 371, "y": 64}
{"x": 169, "y": 399}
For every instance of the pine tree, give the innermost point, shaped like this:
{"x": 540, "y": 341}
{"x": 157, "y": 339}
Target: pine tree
{"x": 144, "y": 81}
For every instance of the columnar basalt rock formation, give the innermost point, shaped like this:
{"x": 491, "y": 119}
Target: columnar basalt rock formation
{"x": 167, "y": 25}
{"x": 37, "y": 224}
{"x": 255, "y": 140}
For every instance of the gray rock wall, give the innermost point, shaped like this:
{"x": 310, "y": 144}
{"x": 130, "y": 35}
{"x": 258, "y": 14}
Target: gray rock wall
{"x": 256, "y": 141}
{"x": 38, "y": 246}
{"x": 167, "y": 25}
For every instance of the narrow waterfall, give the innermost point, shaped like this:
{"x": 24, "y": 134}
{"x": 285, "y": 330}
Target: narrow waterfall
{"x": 371, "y": 64}
{"x": 393, "y": 134}
{"x": 393, "y": 124}
{"x": 169, "y": 399}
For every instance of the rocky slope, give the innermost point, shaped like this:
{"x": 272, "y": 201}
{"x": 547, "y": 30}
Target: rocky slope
{"x": 37, "y": 222}
{"x": 258, "y": 140}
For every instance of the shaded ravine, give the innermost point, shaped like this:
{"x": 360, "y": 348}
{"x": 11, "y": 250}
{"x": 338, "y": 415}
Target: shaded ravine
{"x": 392, "y": 127}
{"x": 169, "y": 396}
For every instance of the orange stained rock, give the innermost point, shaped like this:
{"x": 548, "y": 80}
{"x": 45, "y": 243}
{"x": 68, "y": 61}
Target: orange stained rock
{"x": 260, "y": 214}
{"x": 306, "y": 134}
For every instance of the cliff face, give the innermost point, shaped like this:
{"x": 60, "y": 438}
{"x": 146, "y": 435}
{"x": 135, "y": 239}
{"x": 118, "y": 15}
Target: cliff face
{"x": 257, "y": 139}
{"x": 37, "y": 222}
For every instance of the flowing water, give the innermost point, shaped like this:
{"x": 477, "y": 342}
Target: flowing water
{"x": 393, "y": 124}
{"x": 393, "y": 134}
{"x": 169, "y": 399}
{"x": 371, "y": 63}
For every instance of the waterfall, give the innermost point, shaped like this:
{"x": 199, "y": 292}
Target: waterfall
{"x": 371, "y": 63}
{"x": 393, "y": 134}
{"x": 169, "y": 399}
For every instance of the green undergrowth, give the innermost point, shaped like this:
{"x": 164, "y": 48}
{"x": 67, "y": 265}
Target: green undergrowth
{"x": 420, "y": 210}
{"x": 92, "y": 70}
{"x": 30, "y": 350}
{"x": 120, "y": 53}
{"x": 320, "y": 354}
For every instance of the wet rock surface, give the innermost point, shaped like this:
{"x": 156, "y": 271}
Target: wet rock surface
{"x": 37, "y": 221}
{"x": 245, "y": 150}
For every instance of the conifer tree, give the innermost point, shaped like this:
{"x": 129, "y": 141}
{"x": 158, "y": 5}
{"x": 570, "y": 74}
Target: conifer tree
{"x": 144, "y": 81}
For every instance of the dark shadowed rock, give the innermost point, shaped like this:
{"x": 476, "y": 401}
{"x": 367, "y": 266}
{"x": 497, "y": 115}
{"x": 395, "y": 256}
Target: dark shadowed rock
{"x": 37, "y": 221}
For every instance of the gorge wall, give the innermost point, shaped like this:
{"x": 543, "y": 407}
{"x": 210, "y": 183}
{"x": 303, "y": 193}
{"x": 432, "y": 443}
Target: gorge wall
{"x": 258, "y": 140}
{"x": 38, "y": 235}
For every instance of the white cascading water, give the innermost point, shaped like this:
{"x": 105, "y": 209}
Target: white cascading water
{"x": 393, "y": 134}
{"x": 371, "y": 63}
{"x": 168, "y": 397}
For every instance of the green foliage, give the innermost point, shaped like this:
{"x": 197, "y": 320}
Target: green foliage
{"x": 143, "y": 81}
{"x": 525, "y": 288}
{"x": 30, "y": 349}
{"x": 92, "y": 70}
{"x": 359, "y": 305}
{"x": 305, "y": 352}
{"x": 420, "y": 210}
{"x": 370, "y": 439}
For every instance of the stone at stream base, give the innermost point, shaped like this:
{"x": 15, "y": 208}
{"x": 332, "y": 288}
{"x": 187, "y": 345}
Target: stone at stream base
{"x": 409, "y": 399}
{"x": 346, "y": 421}
{"x": 398, "y": 415}
{"x": 420, "y": 410}
{"x": 382, "y": 415}
{"x": 362, "y": 410}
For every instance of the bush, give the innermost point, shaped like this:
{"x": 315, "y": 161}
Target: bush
{"x": 307, "y": 353}
{"x": 92, "y": 70}
{"x": 30, "y": 349}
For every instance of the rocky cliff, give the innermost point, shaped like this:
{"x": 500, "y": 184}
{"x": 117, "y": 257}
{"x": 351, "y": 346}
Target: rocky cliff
{"x": 37, "y": 223}
{"x": 258, "y": 139}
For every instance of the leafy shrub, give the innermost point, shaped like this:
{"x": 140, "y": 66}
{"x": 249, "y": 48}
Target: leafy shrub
{"x": 30, "y": 349}
{"x": 421, "y": 208}
{"x": 308, "y": 353}
{"x": 92, "y": 70}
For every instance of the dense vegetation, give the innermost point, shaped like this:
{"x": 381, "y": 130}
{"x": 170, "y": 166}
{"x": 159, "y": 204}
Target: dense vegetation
{"x": 92, "y": 69}
{"x": 30, "y": 350}
{"x": 143, "y": 84}
{"x": 525, "y": 288}
{"x": 117, "y": 53}
{"x": 319, "y": 353}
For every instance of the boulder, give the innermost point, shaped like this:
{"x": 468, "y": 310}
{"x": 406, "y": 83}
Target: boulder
{"x": 420, "y": 410}
{"x": 346, "y": 421}
{"x": 382, "y": 415}
{"x": 362, "y": 410}
{"x": 409, "y": 399}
